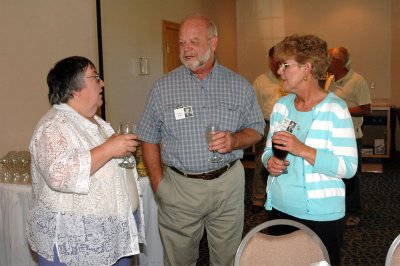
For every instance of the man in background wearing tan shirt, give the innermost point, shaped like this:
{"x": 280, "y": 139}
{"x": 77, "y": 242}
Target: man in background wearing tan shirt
{"x": 354, "y": 90}
{"x": 268, "y": 90}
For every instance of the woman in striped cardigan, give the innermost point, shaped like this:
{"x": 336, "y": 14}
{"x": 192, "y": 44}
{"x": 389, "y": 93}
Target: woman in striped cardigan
{"x": 316, "y": 130}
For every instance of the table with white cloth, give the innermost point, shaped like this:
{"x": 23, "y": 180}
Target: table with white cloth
{"x": 152, "y": 253}
{"x": 14, "y": 205}
{"x": 14, "y": 247}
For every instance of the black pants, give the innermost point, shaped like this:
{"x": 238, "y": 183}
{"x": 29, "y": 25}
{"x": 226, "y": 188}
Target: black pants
{"x": 330, "y": 232}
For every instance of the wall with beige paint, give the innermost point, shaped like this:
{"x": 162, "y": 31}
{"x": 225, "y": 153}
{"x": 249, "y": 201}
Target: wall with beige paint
{"x": 364, "y": 27}
{"x": 368, "y": 28}
{"x": 34, "y": 35}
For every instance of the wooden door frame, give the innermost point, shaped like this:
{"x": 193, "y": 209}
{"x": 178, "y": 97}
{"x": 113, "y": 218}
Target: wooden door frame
{"x": 167, "y": 25}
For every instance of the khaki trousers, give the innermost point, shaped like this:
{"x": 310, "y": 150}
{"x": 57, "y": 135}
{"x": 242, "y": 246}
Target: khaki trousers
{"x": 186, "y": 206}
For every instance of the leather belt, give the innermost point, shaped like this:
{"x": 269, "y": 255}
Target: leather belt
{"x": 206, "y": 176}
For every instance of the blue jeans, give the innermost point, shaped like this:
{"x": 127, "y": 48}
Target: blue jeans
{"x": 126, "y": 261}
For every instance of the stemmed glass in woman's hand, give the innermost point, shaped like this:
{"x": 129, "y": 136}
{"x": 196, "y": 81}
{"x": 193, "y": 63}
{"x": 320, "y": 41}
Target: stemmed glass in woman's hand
{"x": 210, "y": 131}
{"x": 127, "y": 128}
{"x": 278, "y": 153}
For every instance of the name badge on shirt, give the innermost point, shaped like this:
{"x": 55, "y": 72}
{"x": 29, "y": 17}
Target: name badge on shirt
{"x": 183, "y": 112}
{"x": 287, "y": 125}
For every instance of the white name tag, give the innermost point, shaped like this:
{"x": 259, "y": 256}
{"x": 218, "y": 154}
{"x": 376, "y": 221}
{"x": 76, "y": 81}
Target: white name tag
{"x": 179, "y": 113}
{"x": 287, "y": 125}
{"x": 183, "y": 112}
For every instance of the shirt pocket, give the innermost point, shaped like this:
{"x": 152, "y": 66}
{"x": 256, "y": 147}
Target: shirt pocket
{"x": 228, "y": 114}
{"x": 169, "y": 121}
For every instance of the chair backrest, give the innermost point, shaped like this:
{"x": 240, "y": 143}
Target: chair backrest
{"x": 393, "y": 255}
{"x": 301, "y": 247}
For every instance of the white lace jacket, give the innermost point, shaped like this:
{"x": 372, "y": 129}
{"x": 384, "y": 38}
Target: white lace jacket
{"x": 87, "y": 218}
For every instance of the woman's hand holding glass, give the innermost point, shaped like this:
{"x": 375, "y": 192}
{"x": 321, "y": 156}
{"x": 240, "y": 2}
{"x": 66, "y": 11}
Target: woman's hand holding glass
{"x": 278, "y": 164}
{"x": 116, "y": 146}
{"x": 128, "y": 129}
{"x": 288, "y": 142}
{"x": 122, "y": 145}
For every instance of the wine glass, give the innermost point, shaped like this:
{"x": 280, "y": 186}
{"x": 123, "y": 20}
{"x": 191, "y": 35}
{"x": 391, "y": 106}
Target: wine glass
{"x": 210, "y": 131}
{"x": 278, "y": 153}
{"x": 127, "y": 128}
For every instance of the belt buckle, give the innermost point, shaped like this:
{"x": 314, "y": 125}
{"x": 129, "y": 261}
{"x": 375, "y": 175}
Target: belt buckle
{"x": 229, "y": 165}
{"x": 213, "y": 174}
{"x": 217, "y": 173}
{"x": 205, "y": 177}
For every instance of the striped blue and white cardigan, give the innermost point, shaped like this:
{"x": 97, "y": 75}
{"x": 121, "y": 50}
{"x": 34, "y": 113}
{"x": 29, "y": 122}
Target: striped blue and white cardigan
{"x": 332, "y": 135}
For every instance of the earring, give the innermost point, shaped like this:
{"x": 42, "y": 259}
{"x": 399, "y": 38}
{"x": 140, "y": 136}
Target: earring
{"x": 305, "y": 78}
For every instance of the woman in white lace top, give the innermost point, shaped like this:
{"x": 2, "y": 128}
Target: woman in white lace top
{"x": 81, "y": 211}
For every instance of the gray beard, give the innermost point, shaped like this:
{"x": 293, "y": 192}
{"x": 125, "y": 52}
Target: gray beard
{"x": 194, "y": 65}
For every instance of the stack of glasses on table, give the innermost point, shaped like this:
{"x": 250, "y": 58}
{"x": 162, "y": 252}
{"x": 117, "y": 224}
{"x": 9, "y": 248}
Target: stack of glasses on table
{"x": 15, "y": 167}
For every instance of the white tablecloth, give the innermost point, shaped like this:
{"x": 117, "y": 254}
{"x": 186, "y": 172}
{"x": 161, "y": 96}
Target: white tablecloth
{"x": 152, "y": 253}
{"x": 14, "y": 204}
{"x": 14, "y": 247}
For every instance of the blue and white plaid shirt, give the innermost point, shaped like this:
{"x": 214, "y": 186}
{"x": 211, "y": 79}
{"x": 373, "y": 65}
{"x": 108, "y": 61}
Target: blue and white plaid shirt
{"x": 223, "y": 97}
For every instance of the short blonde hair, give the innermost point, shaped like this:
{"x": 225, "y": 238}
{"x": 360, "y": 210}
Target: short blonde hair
{"x": 303, "y": 49}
